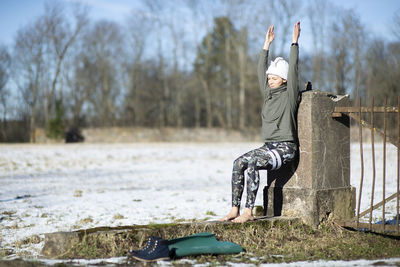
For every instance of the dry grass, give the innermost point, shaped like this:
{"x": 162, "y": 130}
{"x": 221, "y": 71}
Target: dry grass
{"x": 166, "y": 134}
{"x": 276, "y": 241}
{"x": 265, "y": 241}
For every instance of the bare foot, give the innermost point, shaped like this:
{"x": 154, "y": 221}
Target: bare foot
{"x": 234, "y": 213}
{"x": 245, "y": 217}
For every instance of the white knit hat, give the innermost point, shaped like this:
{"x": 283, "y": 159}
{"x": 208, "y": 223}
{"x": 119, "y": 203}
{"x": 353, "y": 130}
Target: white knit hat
{"x": 279, "y": 67}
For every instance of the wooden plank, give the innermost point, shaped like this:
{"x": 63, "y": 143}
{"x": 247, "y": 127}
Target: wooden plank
{"x": 336, "y": 114}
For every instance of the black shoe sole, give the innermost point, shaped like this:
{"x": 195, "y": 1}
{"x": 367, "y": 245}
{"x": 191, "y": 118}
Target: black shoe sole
{"x": 145, "y": 260}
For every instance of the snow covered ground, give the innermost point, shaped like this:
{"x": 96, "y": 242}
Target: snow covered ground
{"x": 68, "y": 187}
{"x": 390, "y": 178}
{"x": 59, "y": 187}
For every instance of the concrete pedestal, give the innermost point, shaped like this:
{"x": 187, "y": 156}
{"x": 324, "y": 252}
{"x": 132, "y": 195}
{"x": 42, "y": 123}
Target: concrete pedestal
{"x": 320, "y": 185}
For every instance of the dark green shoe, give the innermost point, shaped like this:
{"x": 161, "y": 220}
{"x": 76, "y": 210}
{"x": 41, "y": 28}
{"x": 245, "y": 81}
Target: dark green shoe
{"x": 201, "y": 243}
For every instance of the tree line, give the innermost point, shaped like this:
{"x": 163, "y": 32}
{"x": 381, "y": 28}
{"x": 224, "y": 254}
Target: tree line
{"x": 181, "y": 63}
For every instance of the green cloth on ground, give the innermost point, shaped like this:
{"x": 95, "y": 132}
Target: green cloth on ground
{"x": 201, "y": 243}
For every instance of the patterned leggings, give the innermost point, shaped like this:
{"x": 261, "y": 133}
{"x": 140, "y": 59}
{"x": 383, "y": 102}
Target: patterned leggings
{"x": 271, "y": 156}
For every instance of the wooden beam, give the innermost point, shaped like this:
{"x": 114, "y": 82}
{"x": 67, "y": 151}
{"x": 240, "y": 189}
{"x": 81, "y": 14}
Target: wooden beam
{"x": 336, "y": 114}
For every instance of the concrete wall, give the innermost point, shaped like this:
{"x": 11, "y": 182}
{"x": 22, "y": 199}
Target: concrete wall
{"x": 320, "y": 186}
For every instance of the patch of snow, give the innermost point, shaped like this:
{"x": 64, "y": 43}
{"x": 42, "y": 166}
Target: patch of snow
{"x": 50, "y": 188}
{"x": 321, "y": 263}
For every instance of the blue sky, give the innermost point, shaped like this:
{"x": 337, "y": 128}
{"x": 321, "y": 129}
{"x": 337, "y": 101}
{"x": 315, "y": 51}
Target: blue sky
{"x": 376, "y": 15}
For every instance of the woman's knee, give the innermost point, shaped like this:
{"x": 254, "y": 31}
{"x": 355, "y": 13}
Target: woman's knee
{"x": 240, "y": 163}
{"x": 237, "y": 163}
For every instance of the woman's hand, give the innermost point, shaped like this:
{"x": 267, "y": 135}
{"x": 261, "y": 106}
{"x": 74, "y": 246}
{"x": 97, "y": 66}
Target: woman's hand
{"x": 269, "y": 37}
{"x": 296, "y": 32}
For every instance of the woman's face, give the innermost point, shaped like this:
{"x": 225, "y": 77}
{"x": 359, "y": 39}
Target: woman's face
{"x": 274, "y": 81}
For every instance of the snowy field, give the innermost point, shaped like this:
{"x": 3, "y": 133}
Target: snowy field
{"x": 390, "y": 178}
{"x": 49, "y": 188}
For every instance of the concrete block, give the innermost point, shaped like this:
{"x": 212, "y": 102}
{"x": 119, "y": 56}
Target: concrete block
{"x": 312, "y": 206}
{"x": 311, "y": 186}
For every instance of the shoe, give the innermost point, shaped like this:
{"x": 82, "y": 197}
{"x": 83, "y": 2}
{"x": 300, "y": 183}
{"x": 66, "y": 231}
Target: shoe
{"x": 159, "y": 251}
{"x": 149, "y": 244}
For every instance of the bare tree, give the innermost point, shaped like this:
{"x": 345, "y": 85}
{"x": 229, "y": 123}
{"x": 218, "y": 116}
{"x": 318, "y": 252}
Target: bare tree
{"x": 243, "y": 63}
{"x": 5, "y": 62}
{"x": 78, "y": 79}
{"x": 175, "y": 24}
{"x": 185, "y": 63}
{"x": 29, "y": 70}
{"x": 169, "y": 30}
{"x": 228, "y": 37}
{"x": 317, "y": 13}
{"x": 102, "y": 60}
{"x": 358, "y": 36}
{"x": 346, "y": 52}
{"x": 203, "y": 15}
{"x": 287, "y": 11}
{"x": 156, "y": 7}
{"x": 138, "y": 26}
{"x": 382, "y": 75}
{"x": 396, "y": 25}
{"x": 242, "y": 14}
{"x": 60, "y": 36}
{"x": 382, "y": 71}
{"x": 39, "y": 51}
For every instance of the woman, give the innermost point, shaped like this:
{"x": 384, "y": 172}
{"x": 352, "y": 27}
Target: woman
{"x": 280, "y": 88}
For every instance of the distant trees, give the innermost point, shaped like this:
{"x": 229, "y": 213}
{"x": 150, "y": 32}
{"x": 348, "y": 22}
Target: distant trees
{"x": 347, "y": 50}
{"x": 103, "y": 57}
{"x": 5, "y": 62}
{"x": 39, "y": 54}
{"x": 317, "y": 13}
{"x": 182, "y": 63}
{"x": 220, "y": 66}
{"x": 134, "y": 71}
{"x": 28, "y": 59}
{"x": 383, "y": 72}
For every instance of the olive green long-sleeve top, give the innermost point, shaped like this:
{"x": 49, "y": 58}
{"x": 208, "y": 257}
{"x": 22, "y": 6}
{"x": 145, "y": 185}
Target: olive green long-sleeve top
{"x": 279, "y": 112}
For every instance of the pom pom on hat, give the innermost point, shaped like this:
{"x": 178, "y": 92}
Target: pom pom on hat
{"x": 279, "y": 67}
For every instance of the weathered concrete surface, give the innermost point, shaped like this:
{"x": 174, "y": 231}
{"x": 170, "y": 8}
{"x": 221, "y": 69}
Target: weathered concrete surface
{"x": 314, "y": 206}
{"x": 111, "y": 242}
{"x": 324, "y": 143}
{"x": 320, "y": 185}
